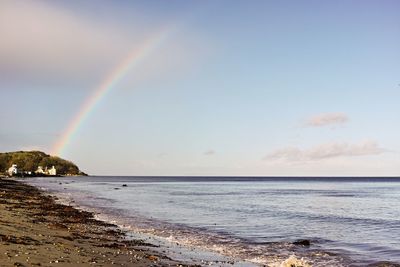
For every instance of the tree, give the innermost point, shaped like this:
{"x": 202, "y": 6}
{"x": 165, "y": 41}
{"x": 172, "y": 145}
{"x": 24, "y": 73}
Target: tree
{"x": 30, "y": 160}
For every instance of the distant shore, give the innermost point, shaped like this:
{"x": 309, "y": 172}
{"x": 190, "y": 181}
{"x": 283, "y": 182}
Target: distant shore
{"x": 37, "y": 231}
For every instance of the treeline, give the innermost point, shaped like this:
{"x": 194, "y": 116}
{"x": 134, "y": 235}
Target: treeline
{"x": 30, "y": 160}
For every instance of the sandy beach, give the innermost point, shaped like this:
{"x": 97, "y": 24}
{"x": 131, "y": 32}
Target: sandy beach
{"x": 37, "y": 231}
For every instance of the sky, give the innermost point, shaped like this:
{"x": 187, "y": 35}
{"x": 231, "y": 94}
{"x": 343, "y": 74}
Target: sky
{"x": 241, "y": 88}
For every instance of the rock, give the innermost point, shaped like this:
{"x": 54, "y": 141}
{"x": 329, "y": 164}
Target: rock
{"x": 153, "y": 258}
{"x": 302, "y": 242}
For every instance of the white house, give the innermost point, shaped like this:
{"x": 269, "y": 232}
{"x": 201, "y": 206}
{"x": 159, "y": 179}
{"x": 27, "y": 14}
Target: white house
{"x": 52, "y": 171}
{"x": 46, "y": 171}
{"x": 39, "y": 170}
{"x": 13, "y": 170}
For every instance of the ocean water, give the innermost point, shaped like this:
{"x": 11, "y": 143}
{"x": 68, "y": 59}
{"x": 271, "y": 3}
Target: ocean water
{"x": 348, "y": 221}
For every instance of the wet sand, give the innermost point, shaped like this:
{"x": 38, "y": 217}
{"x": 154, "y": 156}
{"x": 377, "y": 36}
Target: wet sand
{"x": 37, "y": 231}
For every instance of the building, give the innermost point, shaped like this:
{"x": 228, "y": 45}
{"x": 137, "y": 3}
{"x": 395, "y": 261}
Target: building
{"x": 46, "y": 171}
{"x": 39, "y": 170}
{"x": 13, "y": 170}
{"x": 52, "y": 171}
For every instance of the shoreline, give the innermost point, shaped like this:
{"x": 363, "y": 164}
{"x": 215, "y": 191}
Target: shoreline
{"x": 37, "y": 231}
{"x": 44, "y": 221}
{"x": 190, "y": 254}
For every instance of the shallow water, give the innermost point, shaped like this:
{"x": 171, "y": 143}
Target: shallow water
{"x": 349, "y": 221}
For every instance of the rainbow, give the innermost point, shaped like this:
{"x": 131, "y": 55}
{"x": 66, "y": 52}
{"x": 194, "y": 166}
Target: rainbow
{"x": 106, "y": 86}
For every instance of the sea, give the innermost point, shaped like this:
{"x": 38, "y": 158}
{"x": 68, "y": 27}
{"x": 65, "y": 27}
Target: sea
{"x": 249, "y": 221}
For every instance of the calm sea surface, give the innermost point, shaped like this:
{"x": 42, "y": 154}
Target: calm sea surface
{"x": 349, "y": 221}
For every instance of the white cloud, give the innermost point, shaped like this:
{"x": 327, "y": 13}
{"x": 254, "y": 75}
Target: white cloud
{"x": 45, "y": 42}
{"x": 327, "y": 119}
{"x": 42, "y": 39}
{"x": 326, "y": 151}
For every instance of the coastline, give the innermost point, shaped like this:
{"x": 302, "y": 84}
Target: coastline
{"x": 37, "y": 231}
{"x": 36, "y": 217}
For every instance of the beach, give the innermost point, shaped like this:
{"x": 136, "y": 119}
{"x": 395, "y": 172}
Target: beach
{"x": 35, "y": 230}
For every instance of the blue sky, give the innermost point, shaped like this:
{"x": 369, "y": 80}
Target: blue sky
{"x": 237, "y": 88}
